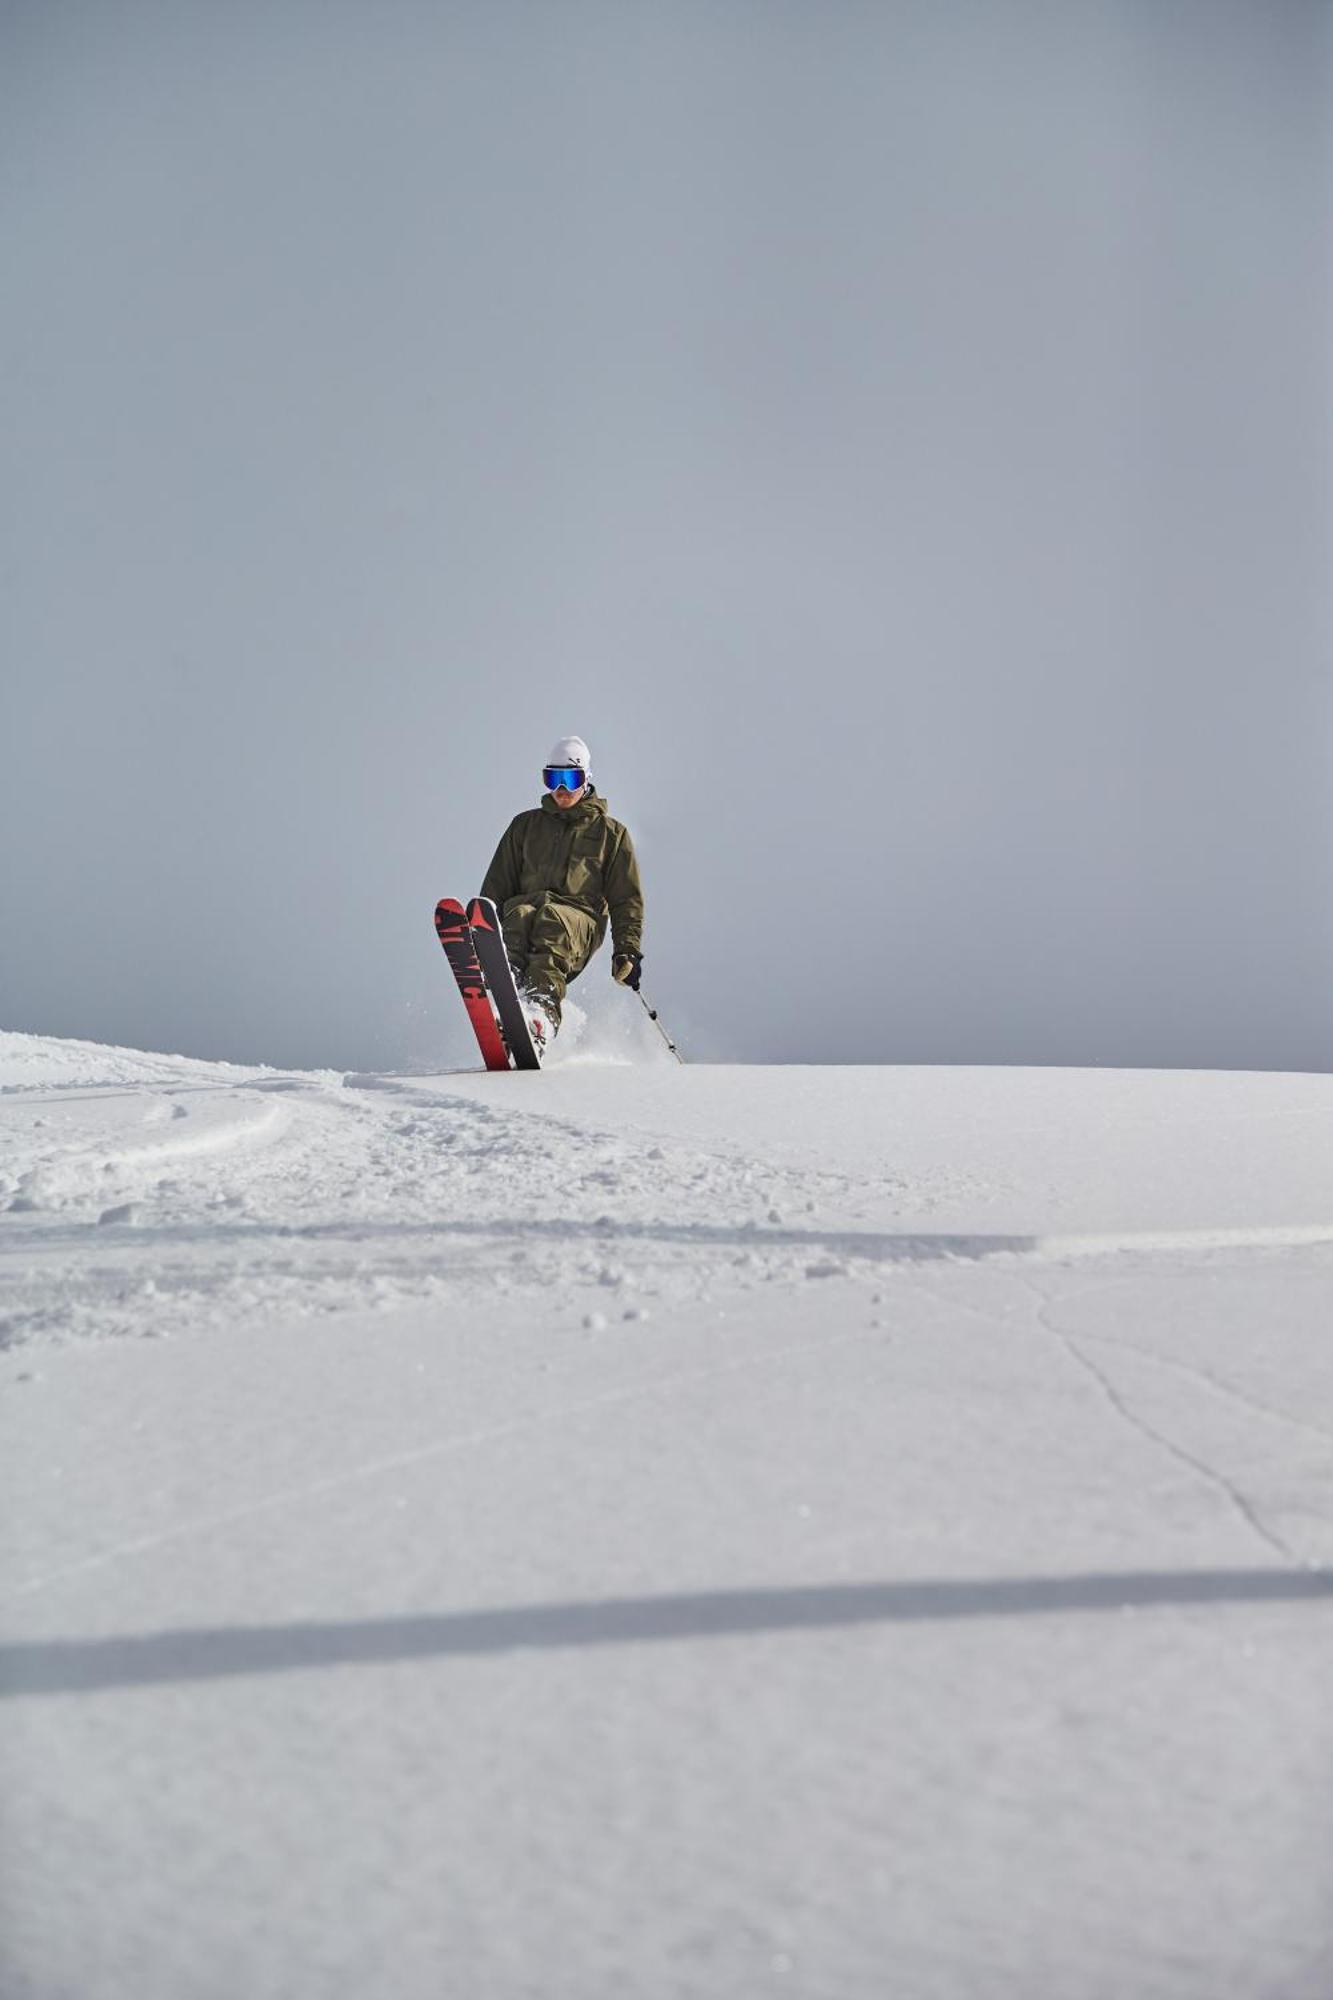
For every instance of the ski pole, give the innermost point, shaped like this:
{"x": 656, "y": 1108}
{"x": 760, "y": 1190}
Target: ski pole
{"x": 652, "y": 1016}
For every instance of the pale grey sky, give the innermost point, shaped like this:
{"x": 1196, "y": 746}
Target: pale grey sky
{"x": 896, "y": 437}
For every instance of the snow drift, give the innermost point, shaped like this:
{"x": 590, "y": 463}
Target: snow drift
{"x": 660, "y": 1531}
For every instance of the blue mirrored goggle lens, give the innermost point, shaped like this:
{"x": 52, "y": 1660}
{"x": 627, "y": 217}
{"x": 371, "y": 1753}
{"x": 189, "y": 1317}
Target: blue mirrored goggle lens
{"x": 568, "y": 775}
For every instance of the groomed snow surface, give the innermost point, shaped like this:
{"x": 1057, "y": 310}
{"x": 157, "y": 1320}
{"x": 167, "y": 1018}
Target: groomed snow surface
{"x": 643, "y": 1531}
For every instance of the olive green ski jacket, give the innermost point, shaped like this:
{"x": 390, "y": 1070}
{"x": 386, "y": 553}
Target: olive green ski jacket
{"x": 579, "y": 855}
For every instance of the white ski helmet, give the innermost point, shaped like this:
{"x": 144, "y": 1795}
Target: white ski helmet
{"x": 570, "y": 750}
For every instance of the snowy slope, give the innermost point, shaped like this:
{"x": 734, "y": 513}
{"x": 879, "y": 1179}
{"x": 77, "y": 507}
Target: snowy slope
{"x": 651, "y": 1531}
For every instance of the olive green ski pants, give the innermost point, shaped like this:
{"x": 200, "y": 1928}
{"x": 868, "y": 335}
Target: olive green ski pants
{"x": 549, "y": 943}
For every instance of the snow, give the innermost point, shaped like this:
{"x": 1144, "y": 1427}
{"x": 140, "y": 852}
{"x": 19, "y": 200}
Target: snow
{"x": 651, "y": 1531}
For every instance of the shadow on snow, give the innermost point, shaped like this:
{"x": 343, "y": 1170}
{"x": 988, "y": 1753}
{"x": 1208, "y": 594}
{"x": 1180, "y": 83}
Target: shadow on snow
{"x": 84, "y": 1666}
{"x": 908, "y": 1246}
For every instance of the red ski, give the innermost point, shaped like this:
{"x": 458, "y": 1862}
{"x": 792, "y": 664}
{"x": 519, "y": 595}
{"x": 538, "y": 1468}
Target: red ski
{"x": 489, "y": 945}
{"x": 454, "y": 933}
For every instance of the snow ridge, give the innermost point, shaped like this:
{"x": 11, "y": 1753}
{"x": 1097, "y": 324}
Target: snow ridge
{"x": 142, "y": 1194}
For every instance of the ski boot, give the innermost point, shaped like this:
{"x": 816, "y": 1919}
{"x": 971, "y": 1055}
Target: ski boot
{"x": 542, "y": 1021}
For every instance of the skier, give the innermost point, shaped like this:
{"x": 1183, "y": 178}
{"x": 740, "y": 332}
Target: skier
{"x": 562, "y": 871}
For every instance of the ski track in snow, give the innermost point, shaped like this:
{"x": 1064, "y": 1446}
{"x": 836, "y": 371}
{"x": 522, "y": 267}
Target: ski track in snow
{"x": 141, "y": 1193}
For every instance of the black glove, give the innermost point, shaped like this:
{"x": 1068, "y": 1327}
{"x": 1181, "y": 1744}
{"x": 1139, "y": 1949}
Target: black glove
{"x": 626, "y": 968}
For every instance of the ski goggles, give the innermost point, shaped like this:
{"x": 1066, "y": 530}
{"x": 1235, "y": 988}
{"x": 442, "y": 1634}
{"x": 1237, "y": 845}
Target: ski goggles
{"x": 568, "y": 776}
